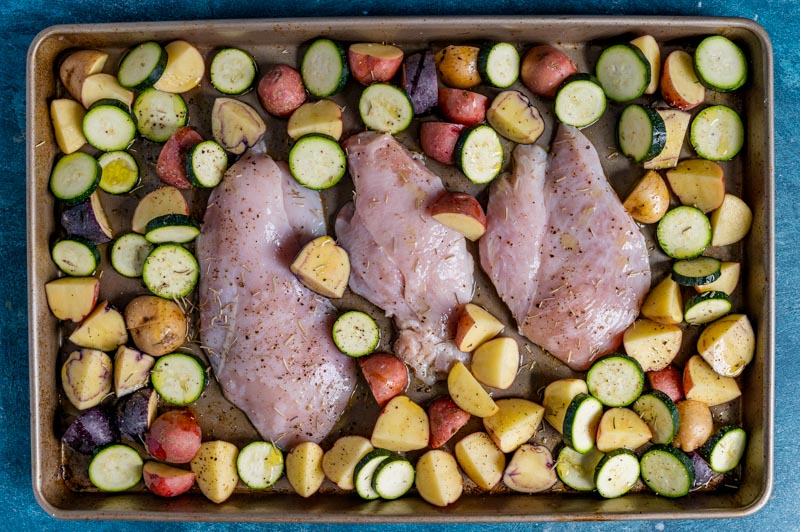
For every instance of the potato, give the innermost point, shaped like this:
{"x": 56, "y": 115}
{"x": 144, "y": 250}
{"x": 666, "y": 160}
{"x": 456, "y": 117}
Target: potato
{"x": 323, "y": 117}
{"x": 438, "y": 140}
{"x": 648, "y": 202}
{"x": 727, "y": 281}
{"x": 438, "y": 480}
{"x": 654, "y": 345}
{"x": 728, "y": 344}
{"x": 386, "y": 375}
{"x": 513, "y": 116}
{"x": 515, "y": 422}
{"x": 104, "y": 86}
{"x": 72, "y": 298}
{"x": 468, "y": 393}
{"x": 67, "y": 118}
{"x": 304, "y": 468}
{"x": 78, "y": 66}
{"x": 184, "y": 70}
{"x": 88, "y": 219}
{"x": 158, "y": 326}
{"x": 235, "y": 125}
{"x": 677, "y": 122}
{"x": 531, "y": 469}
{"x": 401, "y": 426}
{"x": 699, "y": 183}
{"x": 103, "y": 329}
{"x": 731, "y": 221}
{"x": 458, "y": 66}
{"x": 679, "y": 84}
{"x": 86, "y": 378}
{"x": 695, "y": 425}
{"x": 165, "y": 480}
{"x": 649, "y": 48}
{"x": 171, "y": 165}
{"x": 420, "y": 82}
{"x": 463, "y": 107}
{"x": 215, "y": 470}
{"x": 621, "y": 427}
{"x": 161, "y": 201}
{"x": 476, "y": 326}
{"x": 702, "y": 383}
{"x": 174, "y": 437}
{"x": 663, "y": 303}
{"x": 131, "y": 370}
{"x": 93, "y": 429}
{"x": 496, "y": 362}
{"x": 481, "y": 460}
{"x": 323, "y": 267}
{"x": 136, "y": 413}
{"x": 557, "y": 397}
{"x": 544, "y": 68}
{"x": 667, "y": 380}
{"x": 374, "y": 62}
{"x": 460, "y": 212}
{"x": 339, "y": 462}
{"x": 445, "y": 418}
{"x": 281, "y": 91}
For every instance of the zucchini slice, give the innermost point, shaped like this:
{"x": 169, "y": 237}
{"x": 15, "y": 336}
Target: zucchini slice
{"x": 706, "y": 307}
{"x": 576, "y": 470}
{"x": 716, "y": 133}
{"x": 581, "y": 421}
{"x": 479, "y": 154}
{"x": 385, "y": 108}
{"x": 667, "y": 471}
{"x": 720, "y": 64}
{"x": 393, "y": 477}
{"x": 356, "y": 334}
{"x": 623, "y": 71}
{"x": 206, "y": 164}
{"x": 684, "y": 232}
{"x": 120, "y": 172}
{"x": 660, "y": 413}
{"x": 159, "y": 114}
{"x": 108, "y": 125}
{"x": 697, "y": 271}
{"x": 724, "y": 450}
{"x": 365, "y": 470}
{"x": 172, "y": 228}
{"x": 580, "y": 101}
{"x": 317, "y": 161}
{"x": 179, "y": 379}
{"x": 129, "y": 253}
{"x": 117, "y": 467}
{"x": 75, "y": 177}
{"x": 498, "y": 64}
{"x": 641, "y": 133}
{"x": 616, "y": 380}
{"x": 75, "y": 256}
{"x": 170, "y": 271}
{"x": 142, "y": 66}
{"x": 232, "y": 71}
{"x": 260, "y": 465}
{"x": 616, "y": 473}
{"x": 324, "y": 68}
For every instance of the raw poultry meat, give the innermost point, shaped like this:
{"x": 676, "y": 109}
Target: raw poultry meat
{"x": 267, "y": 336}
{"x": 563, "y": 253}
{"x": 402, "y": 260}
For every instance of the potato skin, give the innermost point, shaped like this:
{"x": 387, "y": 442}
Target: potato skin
{"x": 420, "y": 82}
{"x": 171, "y": 165}
{"x": 165, "y": 480}
{"x": 462, "y": 106}
{"x": 667, "y": 380}
{"x": 445, "y": 418}
{"x": 544, "y": 68}
{"x": 458, "y": 66}
{"x": 386, "y": 375}
{"x": 696, "y": 425}
{"x": 174, "y": 437}
{"x": 281, "y": 90}
{"x": 438, "y": 140}
{"x": 158, "y": 326}
{"x": 374, "y": 62}
{"x": 649, "y": 200}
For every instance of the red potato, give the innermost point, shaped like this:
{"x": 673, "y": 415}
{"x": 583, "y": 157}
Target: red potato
{"x": 174, "y": 437}
{"x": 668, "y": 380}
{"x": 460, "y": 212}
{"x": 544, "y": 68}
{"x": 386, "y": 375}
{"x": 462, "y": 106}
{"x": 445, "y": 418}
{"x": 679, "y": 84}
{"x": 171, "y": 165}
{"x": 165, "y": 480}
{"x": 438, "y": 140}
{"x": 281, "y": 91}
{"x": 374, "y": 62}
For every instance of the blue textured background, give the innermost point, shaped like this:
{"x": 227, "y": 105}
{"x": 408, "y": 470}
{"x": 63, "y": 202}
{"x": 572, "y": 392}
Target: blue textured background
{"x": 21, "y": 21}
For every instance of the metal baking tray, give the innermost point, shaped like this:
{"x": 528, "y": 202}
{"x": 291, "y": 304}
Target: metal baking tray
{"x": 59, "y": 481}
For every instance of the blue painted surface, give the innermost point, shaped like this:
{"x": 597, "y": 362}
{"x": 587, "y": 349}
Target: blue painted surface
{"x": 21, "y": 21}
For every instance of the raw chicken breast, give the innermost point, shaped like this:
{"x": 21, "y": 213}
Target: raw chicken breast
{"x": 402, "y": 260}
{"x": 267, "y": 336}
{"x": 563, "y": 253}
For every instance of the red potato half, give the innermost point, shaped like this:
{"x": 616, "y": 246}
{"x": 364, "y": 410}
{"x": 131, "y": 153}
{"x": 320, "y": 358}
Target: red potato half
{"x": 438, "y": 140}
{"x": 460, "y": 212}
{"x": 445, "y": 418}
{"x": 386, "y": 375}
{"x": 171, "y": 165}
{"x": 679, "y": 84}
{"x": 174, "y": 437}
{"x": 544, "y": 68}
{"x": 281, "y": 90}
{"x": 374, "y": 62}
{"x": 462, "y": 106}
{"x": 165, "y": 480}
{"x": 668, "y": 380}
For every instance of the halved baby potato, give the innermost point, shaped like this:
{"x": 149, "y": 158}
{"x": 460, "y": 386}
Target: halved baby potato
{"x": 654, "y": 345}
{"x": 514, "y": 116}
{"x": 514, "y": 423}
{"x": 468, "y": 393}
{"x": 648, "y": 202}
{"x": 699, "y": 183}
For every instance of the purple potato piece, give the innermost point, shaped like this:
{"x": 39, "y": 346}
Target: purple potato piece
{"x": 420, "y": 83}
{"x": 93, "y": 429}
{"x": 88, "y": 219}
{"x": 702, "y": 471}
{"x": 136, "y": 412}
